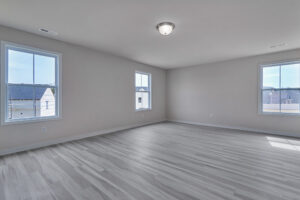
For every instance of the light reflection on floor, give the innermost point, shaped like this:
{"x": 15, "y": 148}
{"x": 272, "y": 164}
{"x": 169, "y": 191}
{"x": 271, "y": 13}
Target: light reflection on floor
{"x": 284, "y": 143}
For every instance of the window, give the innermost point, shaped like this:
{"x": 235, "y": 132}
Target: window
{"x": 142, "y": 91}
{"x": 280, "y": 88}
{"x": 30, "y": 84}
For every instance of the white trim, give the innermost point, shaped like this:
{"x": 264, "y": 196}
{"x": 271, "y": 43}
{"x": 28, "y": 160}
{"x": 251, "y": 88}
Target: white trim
{"x": 3, "y": 86}
{"x": 72, "y": 138}
{"x": 143, "y": 109}
{"x": 30, "y": 49}
{"x": 30, "y": 120}
{"x": 289, "y": 134}
{"x": 280, "y": 62}
{"x": 3, "y": 80}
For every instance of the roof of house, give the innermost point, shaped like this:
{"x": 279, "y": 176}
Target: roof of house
{"x": 25, "y": 92}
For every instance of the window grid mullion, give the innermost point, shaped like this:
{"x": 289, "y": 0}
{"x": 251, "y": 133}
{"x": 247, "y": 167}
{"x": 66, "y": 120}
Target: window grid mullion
{"x": 141, "y": 80}
{"x": 149, "y": 89}
{"x": 33, "y": 85}
{"x": 33, "y": 69}
{"x": 280, "y": 89}
{"x": 34, "y": 101}
{"x": 6, "y": 82}
{"x": 34, "y": 98}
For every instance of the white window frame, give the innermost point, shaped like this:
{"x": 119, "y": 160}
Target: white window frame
{"x": 150, "y": 91}
{"x": 260, "y": 95}
{"x": 4, "y": 82}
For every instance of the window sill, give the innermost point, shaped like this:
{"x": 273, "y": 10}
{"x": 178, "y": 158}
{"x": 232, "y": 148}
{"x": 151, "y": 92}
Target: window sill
{"x": 143, "y": 109}
{"x": 30, "y": 120}
{"x": 280, "y": 114}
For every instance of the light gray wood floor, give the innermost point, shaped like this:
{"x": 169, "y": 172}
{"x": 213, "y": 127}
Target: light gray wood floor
{"x": 161, "y": 161}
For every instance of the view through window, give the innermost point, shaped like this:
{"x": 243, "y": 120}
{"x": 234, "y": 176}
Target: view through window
{"x": 280, "y": 90}
{"x": 31, "y": 84}
{"x": 142, "y": 91}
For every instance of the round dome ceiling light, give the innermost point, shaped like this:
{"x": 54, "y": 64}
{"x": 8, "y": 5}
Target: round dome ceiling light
{"x": 165, "y": 28}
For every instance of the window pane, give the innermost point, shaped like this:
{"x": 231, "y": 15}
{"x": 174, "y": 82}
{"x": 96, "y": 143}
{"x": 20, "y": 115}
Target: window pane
{"x": 44, "y": 70}
{"x": 290, "y": 101}
{"x": 138, "y": 80}
{"x": 145, "y": 80}
{"x": 142, "y": 100}
{"x": 20, "y": 102}
{"x": 271, "y": 77}
{"x": 271, "y": 101}
{"x": 20, "y": 67}
{"x": 290, "y": 76}
{"x": 45, "y": 101}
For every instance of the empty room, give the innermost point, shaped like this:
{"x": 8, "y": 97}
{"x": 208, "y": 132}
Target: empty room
{"x": 150, "y": 100}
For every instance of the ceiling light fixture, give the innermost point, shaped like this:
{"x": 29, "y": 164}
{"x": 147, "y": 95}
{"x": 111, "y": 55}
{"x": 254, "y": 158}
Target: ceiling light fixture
{"x": 165, "y": 28}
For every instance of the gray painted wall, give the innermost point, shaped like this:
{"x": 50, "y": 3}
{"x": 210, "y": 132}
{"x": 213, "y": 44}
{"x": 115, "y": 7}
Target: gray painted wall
{"x": 98, "y": 93}
{"x": 226, "y": 94}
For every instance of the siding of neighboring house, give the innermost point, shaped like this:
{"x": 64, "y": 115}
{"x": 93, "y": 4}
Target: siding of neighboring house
{"x": 47, "y": 104}
{"x": 142, "y": 98}
{"x": 20, "y": 105}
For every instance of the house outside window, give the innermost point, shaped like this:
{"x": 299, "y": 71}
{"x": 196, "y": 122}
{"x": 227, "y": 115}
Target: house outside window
{"x": 142, "y": 91}
{"x": 47, "y": 105}
{"x": 30, "y": 89}
{"x": 280, "y": 88}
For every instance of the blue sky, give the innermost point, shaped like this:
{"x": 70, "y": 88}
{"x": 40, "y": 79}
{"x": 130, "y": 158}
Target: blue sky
{"x": 290, "y": 76}
{"x": 20, "y": 68}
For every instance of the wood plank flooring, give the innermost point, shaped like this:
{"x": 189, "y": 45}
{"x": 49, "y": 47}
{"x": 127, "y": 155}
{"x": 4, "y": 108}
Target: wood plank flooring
{"x": 162, "y": 161}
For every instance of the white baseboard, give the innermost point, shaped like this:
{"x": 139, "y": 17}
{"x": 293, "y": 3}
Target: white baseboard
{"x": 72, "y": 138}
{"x": 289, "y": 134}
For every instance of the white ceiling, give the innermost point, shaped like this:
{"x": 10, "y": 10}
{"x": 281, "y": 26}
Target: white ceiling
{"x": 206, "y": 30}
